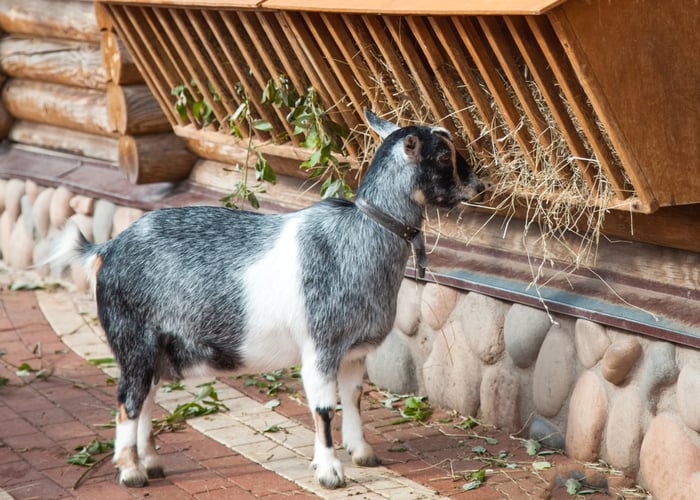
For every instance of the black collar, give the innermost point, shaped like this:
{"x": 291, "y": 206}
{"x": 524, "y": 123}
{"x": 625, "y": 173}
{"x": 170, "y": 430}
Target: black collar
{"x": 411, "y": 234}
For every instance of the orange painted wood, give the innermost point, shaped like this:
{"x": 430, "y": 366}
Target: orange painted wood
{"x": 641, "y": 70}
{"x": 418, "y": 7}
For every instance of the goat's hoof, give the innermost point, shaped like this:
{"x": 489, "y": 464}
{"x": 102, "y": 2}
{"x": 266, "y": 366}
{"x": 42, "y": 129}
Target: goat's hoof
{"x": 330, "y": 476}
{"x": 371, "y": 460}
{"x": 155, "y": 472}
{"x": 133, "y": 478}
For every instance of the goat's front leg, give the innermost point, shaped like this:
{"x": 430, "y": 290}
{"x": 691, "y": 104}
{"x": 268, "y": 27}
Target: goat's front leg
{"x": 350, "y": 378}
{"x": 320, "y": 391}
{"x": 132, "y": 472}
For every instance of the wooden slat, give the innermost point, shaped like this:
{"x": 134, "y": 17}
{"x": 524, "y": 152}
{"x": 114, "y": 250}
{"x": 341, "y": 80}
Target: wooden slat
{"x": 272, "y": 67}
{"x": 455, "y": 50}
{"x": 545, "y": 80}
{"x": 480, "y": 55}
{"x": 577, "y": 99}
{"x": 152, "y": 69}
{"x": 406, "y": 89}
{"x": 502, "y": 48}
{"x": 383, "y": 86}
{"x": 191, "y": 52}
{"x": 323, "y": 82}
{"x": 335, "y": 59}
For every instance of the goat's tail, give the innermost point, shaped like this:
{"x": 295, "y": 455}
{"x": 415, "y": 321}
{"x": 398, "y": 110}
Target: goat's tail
{"x": 72, "y": 247}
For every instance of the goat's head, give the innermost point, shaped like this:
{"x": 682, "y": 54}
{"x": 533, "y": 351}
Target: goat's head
{"x": 442, "y": 177}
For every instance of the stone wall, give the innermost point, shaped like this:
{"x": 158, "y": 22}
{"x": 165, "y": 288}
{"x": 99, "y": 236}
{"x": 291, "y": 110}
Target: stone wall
{"x": 597, "y": 392}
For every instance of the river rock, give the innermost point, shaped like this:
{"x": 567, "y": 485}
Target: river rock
{"x": 591, "y": 342}
{"x": 14, "y": 190}
{"x": 123, "y": 218}
{"x": 669, "y": 460}
{"x": 619, "y": 358}
{"x": 623, "y": 432}
{"x": 658, "y": 370}
{"x": 687, "y": 392}
{"x": 437, "y": 304}
{"x": 408, "y": 307}
{"x": 391, "y": 365}
{"x": 82, "y": 204}
{"x": 587, "y": 412}
{"x": 40, "y": 212}
{"x": 524, "y": 329}
{"x": 554, "y": 372}
{"x": 480, "y": 319}
{"x": 546, "y": 433}
{"x": 500, "y": 397}
{"x": 60, "y": 208}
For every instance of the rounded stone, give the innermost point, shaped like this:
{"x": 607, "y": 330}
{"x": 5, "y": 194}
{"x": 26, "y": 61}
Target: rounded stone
{"x": 391, "y": 365}
{"x": 25, "y": 217}
{"x": 546, "y": 433}
{"x": 6, "y": 225}
{"x": 123, "y": 218}
{"x": 500, "y": 398}
{"x": 82, "y": 204}
{"x": 524, "y": 330}
{"x": 623, "y": 431}
{"x": 31, "y": 189}
{"x": 102, "y": 219}
{"x": 3, "y": 188}
{"x": 554, "y": 372}
{"x": 480, "y": 318}
{"x": 78, "y": 277}
{"x": 437, "y": 304}
{"x": 40, "y": 212}
{"x": 669, "y": 459}
{"x": 452, "y": 373}
{"x": 619, "y": 358}
{"x": 408, "y": 307}
{"x": 21, "y": 250}
{"x": 84, "y": 223}
{"x": 587, "y": 413}
{"x": 687, "y": 391}
{"x": 14, "y": 190}
{"x": 42, "y": 250}
{"x": 591, "y": 342}
{"x": 60, "y": 209}
{"x": 658, "y": 371}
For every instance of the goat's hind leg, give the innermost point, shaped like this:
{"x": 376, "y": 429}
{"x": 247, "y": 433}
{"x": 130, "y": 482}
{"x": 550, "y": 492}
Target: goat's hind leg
{"x": 131, "y": 397}
{"x": 350, "y": 378}
{"x": 146, "y": 440}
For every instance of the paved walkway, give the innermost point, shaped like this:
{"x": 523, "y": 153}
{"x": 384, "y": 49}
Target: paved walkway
{"x": 64, "y": 399}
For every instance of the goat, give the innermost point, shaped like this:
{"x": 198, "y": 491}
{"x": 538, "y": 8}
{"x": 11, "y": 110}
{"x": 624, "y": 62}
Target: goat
{"x": 197, "y": 288}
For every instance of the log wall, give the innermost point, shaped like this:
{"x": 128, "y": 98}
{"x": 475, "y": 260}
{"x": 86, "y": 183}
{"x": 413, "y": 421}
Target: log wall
{"x": 68, "y": 84}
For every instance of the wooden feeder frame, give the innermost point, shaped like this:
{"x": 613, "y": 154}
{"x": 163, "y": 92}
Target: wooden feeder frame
{"x": 621, "y": 79}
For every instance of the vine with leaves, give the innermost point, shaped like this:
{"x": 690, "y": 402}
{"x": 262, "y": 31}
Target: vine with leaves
{"x": 303, "y": 111}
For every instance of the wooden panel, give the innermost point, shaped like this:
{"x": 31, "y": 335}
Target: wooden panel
{"x": 641, "y": 67}
{"x": 415, "y": 7}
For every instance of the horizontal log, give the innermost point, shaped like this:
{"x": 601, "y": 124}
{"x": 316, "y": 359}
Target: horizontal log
{"x": 154, "y": 158}
{"x": 65, "y": 140}
{"x": 6, "y": 121}
{"x": 69, "y": 19}
{"x": 54, "y": 104}
{"x": 133, "y": 110}
{"x": 118, "y": 64}
{"x": 68, "y": 62}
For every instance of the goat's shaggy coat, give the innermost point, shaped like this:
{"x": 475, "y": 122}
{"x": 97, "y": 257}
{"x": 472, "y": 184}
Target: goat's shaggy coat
{"x": 202, "y": 288}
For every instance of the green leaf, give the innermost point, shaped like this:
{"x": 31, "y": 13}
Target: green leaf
{"x": 490, "y": 440}
{"x": 4, "y": 381}
{"x": 532, "y": 447}
{"x": 471, "y": 485}
{"x": 24, "y": 370}
{"x": 273, "y": 403}
{"x": 272, "y": 428}
{"x": 542, "y": 465}
{"x": 262, "y": 125}
{"x": 572, "y": 486}
{"x": 479, "y": 450}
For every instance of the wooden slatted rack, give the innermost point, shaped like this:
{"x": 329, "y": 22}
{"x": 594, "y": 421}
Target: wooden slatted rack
{"x": 518, "y": 90}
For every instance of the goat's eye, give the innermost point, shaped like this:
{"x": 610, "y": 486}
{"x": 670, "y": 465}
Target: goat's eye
{"x": 445, "y": 158}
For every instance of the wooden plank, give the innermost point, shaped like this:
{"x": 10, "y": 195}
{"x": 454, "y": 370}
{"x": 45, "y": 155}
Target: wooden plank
{"x": 159, "y": 77}
{"x": 480, "y": 54}
{"x": 69, "y": 62}
{"x": 539, "y": 67}
{"x": 213, "y": 4}
{"x": 552, "y": 51}
{"x": 418, "y": 7}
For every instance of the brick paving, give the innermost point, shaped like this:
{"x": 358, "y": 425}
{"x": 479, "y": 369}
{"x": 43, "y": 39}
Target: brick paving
{"x": 43, "y": 419}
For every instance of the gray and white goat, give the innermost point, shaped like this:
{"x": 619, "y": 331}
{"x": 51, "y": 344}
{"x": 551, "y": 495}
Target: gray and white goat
{"x": 186, "y": 290}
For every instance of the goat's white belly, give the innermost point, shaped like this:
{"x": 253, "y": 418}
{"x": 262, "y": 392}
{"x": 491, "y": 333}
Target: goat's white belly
{"x": 276, "y": 327}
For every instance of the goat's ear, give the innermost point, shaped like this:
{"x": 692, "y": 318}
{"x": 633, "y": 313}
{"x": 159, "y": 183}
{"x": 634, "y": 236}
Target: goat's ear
{"x": 381, "y": 127}
{"x": 411, "y": 147}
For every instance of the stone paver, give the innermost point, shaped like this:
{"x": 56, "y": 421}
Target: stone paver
{"x": 226, "y": 455}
